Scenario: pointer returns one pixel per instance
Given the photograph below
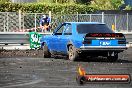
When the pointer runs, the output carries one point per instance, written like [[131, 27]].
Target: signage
[[34, 40]]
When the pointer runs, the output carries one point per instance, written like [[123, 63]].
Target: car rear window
[[93, 28]]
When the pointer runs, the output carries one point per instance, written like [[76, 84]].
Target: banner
[[34, 40]]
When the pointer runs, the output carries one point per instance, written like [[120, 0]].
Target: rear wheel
[[113, 58], [46, 52], [72, 53]]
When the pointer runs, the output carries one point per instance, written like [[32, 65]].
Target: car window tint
[[93, 28], [68, 30], [59, 32]]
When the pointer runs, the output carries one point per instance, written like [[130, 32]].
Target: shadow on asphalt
[[103, 60], [94, 59]]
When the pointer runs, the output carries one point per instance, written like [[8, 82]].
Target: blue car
[[82, 39]]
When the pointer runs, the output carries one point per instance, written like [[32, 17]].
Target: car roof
[[85, 22]]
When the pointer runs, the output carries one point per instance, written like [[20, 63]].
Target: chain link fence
[[17, 22], [121, 22], [8, 21], [31, 20]]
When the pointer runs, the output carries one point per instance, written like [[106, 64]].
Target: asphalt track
[[32, 71]]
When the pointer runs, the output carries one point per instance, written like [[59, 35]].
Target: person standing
[[44, 23]]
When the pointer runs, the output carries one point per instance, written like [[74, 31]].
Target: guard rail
[[22, 38]]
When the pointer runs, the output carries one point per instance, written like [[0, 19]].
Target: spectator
[[44, 23]]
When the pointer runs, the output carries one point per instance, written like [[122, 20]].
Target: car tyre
[[46, 52], [72, 53], [112, 58]]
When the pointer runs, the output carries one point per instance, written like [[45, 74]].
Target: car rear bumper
[[103, 48]]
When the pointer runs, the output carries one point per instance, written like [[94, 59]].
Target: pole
[[115, 23], [50, 15], [77, 16], [102, 17], [35, 21], [90, 17], [19, 19], [50, 18]]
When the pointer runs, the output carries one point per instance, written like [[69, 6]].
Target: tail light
[[121, 42]]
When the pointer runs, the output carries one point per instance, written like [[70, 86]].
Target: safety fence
[[19, 22], [121, 22], [14, 26], [23, 22]]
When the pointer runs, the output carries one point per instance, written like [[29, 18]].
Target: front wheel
[[72, 53], [46, 52]]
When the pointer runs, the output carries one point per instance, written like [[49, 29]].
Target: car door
[[67, 33], [55, 43]]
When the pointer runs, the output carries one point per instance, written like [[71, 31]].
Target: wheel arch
[[44, 42], [68, 44]]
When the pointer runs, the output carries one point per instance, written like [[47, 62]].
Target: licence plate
[[105, 43]]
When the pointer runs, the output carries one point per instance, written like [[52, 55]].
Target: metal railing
[[18, 40], [14, 38], [22, 38]]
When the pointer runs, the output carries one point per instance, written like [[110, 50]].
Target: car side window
[[68, 30], [60, 31]]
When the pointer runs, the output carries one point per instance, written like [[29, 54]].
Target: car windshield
[[93, 28]]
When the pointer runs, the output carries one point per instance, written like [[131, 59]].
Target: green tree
[[82, 1], [61, 1], [55, 1], [128, 7], [47, 1], [107, 4], [117, 3], [4, 0], [66, 1]]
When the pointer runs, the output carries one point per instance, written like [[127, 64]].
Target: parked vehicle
[[82, 39]]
